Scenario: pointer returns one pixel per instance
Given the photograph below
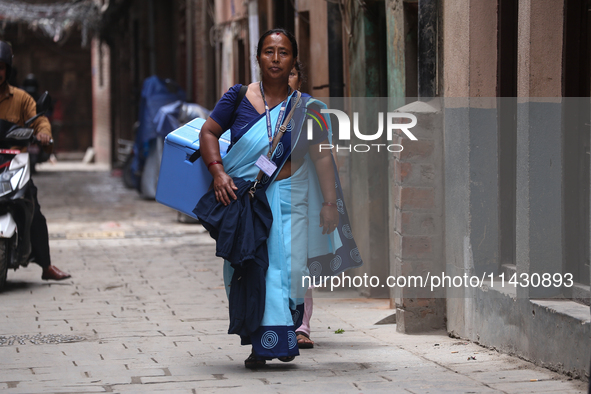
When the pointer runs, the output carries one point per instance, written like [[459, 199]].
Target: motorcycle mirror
[[44, 103]]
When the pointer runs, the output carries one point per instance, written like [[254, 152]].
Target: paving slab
[[146, 312]]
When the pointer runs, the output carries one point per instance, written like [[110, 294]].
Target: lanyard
[[270, 134]]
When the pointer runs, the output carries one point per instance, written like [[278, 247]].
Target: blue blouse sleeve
[[222, 113]]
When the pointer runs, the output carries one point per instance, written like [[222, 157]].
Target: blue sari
[[295, 245]]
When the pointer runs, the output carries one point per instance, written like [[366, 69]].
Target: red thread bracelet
[[214, 162], [330, 204]]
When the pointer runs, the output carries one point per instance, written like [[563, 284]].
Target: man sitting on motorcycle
[[17, 106]]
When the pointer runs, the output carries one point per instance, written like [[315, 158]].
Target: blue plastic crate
[[181, 184]]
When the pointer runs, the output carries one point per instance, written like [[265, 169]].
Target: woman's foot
[[286, 359], [254, 362], [304, 341]]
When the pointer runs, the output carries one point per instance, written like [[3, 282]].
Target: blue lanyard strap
[[270, 134]]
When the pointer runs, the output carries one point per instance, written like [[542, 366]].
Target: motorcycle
[[16, 200]]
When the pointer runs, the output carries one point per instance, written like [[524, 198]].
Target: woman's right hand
[[224, 187]]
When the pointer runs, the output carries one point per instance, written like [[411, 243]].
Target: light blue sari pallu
[[296, 245]]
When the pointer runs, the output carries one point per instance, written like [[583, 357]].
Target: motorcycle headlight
[[9, 180], [16, 178]]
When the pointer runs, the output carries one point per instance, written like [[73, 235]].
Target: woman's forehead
[[277, 40]]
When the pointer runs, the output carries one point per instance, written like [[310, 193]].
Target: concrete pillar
[[369, 218], [396, 99], [471, 151], [539, 246], [101, 101], [415, 192]]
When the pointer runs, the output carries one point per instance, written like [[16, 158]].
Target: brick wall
[[416, 212]]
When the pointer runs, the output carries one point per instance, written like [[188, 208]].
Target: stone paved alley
[[146, 312]]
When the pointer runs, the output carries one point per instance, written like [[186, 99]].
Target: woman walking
[[299, 183]]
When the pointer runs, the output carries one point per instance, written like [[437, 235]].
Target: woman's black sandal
[[286, 359], [254, 362]]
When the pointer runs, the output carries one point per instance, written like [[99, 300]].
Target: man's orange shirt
[[19, 106]]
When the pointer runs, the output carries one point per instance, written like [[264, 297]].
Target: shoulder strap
[[239, 97], [282, 129], [241, 93]]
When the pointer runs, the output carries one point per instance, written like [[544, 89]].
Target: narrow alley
[[145, 312]]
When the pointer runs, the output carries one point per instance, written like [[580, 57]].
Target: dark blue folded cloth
[[241, 230]]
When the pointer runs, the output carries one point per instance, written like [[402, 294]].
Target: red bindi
[[277, 34]]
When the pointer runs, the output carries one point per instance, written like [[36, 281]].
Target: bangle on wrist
[[214, 162], [329, 204]]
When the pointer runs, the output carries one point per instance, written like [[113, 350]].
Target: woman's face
[[276, 59], [294, 80]]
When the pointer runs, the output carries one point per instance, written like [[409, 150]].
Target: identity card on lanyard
[[264, 162]]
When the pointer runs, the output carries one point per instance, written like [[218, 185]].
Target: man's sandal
[[254, 362], [304, 341]]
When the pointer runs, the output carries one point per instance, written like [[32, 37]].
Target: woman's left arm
[[322, 159]]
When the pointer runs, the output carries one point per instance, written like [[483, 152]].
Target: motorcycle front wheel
[[3, 262]]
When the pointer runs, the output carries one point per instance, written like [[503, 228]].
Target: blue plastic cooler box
[[181, 184]]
